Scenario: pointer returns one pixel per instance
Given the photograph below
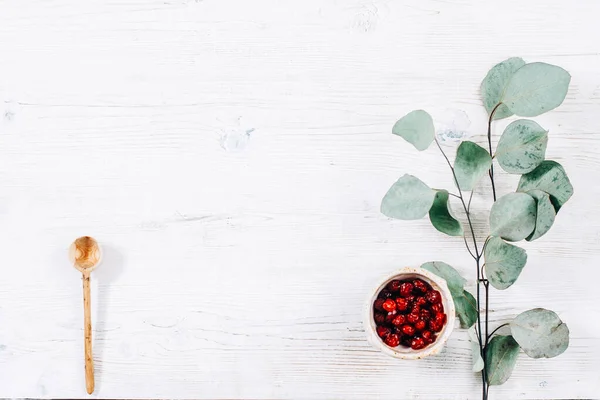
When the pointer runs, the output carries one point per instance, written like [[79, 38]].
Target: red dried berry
[[390, 317], [417, 343], [406, 289], [394, 286], [434, 326], [402, 304], [427, 336], [420, 286], [408, 330], [433, 296], [412, 318], [378, 304], [420, 301], [392, 340], [420, 325], [399, 320], [415, 309], [440, 318], [383, 331], [385, 294], [379, 318], [425, 315], [437, 308], [389, 305]]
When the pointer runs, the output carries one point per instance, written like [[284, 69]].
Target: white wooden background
[[231, 157]]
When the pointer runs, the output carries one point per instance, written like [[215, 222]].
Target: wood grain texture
[[231, 156]]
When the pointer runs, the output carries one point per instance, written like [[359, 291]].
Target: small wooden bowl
[[402, 352]]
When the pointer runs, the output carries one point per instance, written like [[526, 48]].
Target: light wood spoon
[[85, 254]]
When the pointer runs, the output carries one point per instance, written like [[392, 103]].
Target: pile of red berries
[[409, 313]]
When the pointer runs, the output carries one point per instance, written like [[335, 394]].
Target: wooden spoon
[[85, 254]]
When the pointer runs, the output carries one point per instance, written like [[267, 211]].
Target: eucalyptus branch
[[524, 90]]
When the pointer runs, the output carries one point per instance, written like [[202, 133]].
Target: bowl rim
[[403, 352]]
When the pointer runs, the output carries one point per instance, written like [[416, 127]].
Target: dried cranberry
[[392, 340], [408, 330], [427, 336], [389, 305], [420, 286], [437, 308], [399, 319], [383, 331], [385, 294], [413, 318], [425, 315], [420, 325], [417, 343], [406, 289], [379, 318], [402, 304], [420, 301], [378, 304], [415, 309], [390, 317], [440, 318], [434, 326], [433, 296], [394, 286]]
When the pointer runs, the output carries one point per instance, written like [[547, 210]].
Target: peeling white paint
[[452, 126]]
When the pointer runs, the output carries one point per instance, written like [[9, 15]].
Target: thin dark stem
[[470, 198], [469, 249], [497, 329], [477, 258], [489, 135], [460, 196], [455, 195]]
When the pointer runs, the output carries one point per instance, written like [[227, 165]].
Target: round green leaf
[[545, 214], [472, 162], [408, 198], [440, 216], [475, 351], [551, 178], [513, 216], [416, 128], [540, 333], [503, 262], [522, 146], [494, 83], [453, 279], [536, 88], [466, 309], [500, 358]]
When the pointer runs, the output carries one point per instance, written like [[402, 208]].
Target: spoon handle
[[89, 361]]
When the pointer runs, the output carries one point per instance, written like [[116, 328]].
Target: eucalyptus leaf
[[466, 309], [522, 146], [409, 198], [440, 216], [535, 89], [494, 83], [475, 351], [512, 216], [453, 279], [503, 262], [551, 178], [540, 333], [500, 358], [416, 128], [545, 214], [471, 164]]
